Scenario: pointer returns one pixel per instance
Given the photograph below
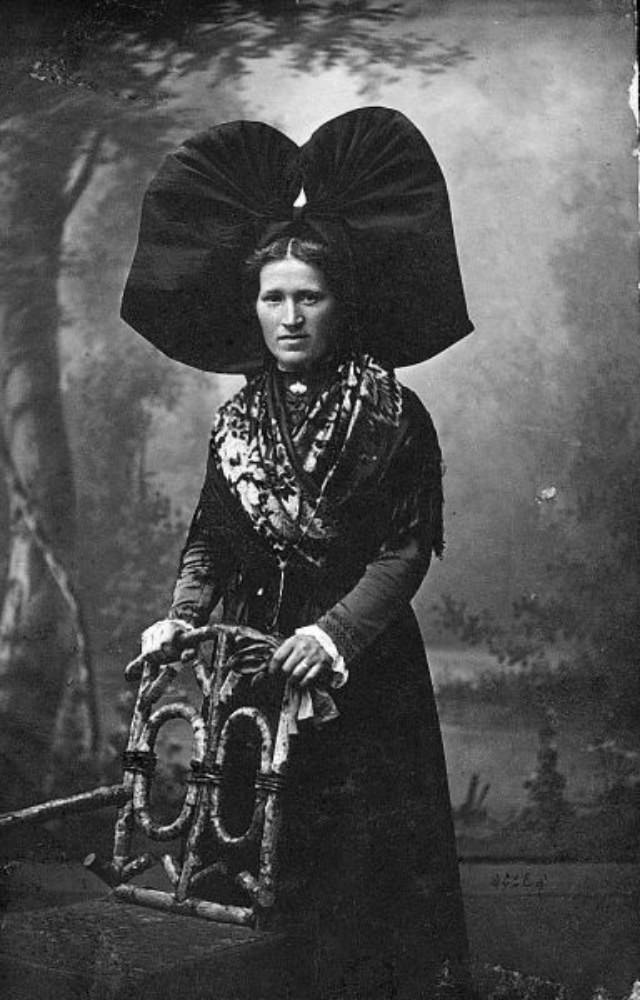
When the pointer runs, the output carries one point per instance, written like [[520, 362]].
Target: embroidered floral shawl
[[291, 481]]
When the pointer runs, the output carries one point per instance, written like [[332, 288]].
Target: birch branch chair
[[207, 848]]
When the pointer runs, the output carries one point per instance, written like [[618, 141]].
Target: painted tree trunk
[[36, 640]]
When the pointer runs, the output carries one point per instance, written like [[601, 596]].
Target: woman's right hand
[[158, 641]]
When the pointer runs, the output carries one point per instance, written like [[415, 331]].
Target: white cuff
[[339, 673]]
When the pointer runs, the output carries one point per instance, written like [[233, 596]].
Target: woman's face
[[298, 314]]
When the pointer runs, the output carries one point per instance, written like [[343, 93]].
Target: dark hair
[[306, 248]]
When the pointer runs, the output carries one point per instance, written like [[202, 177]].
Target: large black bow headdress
[[372, 184]]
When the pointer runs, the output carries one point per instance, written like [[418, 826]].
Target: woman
[[319, 513]]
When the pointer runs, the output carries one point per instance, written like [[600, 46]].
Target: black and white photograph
[[320, 529]]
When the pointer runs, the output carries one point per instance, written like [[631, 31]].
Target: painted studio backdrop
[[532, 619]]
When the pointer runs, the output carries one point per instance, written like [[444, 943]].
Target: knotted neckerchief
[[282, 477]]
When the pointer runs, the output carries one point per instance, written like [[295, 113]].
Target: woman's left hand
[[302, 660]]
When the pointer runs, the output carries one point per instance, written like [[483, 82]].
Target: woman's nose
[[291, 317]]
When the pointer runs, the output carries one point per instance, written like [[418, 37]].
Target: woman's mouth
[[292, 338]]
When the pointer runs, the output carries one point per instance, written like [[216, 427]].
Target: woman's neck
[[319, 374]]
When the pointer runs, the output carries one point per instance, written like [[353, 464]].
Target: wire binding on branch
[[204, 773], [139, 761], [270, 782]]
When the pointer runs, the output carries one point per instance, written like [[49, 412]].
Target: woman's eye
[[310, 298], [271, 297]]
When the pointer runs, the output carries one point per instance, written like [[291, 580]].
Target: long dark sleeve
[[392, 578], [206, 564]]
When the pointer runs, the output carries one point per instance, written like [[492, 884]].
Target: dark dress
[[369, 872]]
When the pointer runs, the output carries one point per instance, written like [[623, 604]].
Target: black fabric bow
[[373, 188]]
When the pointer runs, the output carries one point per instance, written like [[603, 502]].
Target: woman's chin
[[294, 368], [295, 361]]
